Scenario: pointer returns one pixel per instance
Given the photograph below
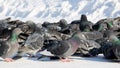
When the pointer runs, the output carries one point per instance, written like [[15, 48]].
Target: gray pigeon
[[12, 44], [68, 47]]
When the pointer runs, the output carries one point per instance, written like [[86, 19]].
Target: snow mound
[[54, 10]]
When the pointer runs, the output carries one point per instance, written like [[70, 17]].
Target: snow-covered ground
[[78, 62], [54, 10]]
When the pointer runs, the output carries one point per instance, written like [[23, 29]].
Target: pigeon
[[84, 24], [12, 45], [66, 48], [111, 48]]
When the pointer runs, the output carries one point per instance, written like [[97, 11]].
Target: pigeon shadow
[[44, 58], [99, 58]]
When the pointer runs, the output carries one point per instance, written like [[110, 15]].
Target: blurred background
[[54, 10]]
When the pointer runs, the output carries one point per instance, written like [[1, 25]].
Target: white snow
[[54, 10], [78, 62]]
